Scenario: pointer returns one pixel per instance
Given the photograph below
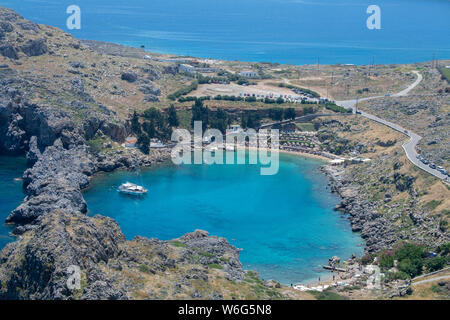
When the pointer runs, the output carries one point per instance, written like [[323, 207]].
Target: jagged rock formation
[[194, 266], [36, 266], [35, 48], [55, 182], [8, 51], [129, 76]]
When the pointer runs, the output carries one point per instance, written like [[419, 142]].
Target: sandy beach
[[299, 154]]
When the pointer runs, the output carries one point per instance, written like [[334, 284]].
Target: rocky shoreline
[[360, 212], [380, 231]]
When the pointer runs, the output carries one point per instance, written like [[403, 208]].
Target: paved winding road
[[410, 146], [430, 280], [308, 117]]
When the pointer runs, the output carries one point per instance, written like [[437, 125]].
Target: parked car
[[432, 166], [442, 170]]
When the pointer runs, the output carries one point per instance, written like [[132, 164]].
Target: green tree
[[276, 114], [220, 120], [135, 124], [444, 249], [409, 251], [244, 121], [153, 114], [200, 113], [412, 267], [252, 121], [149, 128], [317, 125], [436, 264], [173, 117], [165, 133], [410, 257], [386, 259], [144, 143], [290, 113]]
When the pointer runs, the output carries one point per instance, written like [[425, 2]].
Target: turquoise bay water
[[11, 193], [284, 223], [285, 31]]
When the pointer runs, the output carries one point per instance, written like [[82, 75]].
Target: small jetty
[[330, 268]]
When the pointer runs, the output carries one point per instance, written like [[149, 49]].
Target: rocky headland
[[37, 266]]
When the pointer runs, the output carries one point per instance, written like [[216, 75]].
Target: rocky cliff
[[37, 266]]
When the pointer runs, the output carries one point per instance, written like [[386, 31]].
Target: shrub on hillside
[[444, 249], [386, 259], [436, 264], [410, 258]]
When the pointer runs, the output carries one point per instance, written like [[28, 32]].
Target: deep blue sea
[[11, 193], [285, 31], [284, 223]]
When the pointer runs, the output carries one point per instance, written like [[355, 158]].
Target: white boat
[[132, 189]]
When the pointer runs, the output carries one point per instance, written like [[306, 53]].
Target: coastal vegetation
[[249, 99], [98, 144], [144, 143], [445, 73], [217, 120], [408, 260], [338, 109], [183, 91]]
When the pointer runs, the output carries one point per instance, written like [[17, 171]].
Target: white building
[[337, 162], [249, 74], [187, 68]]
